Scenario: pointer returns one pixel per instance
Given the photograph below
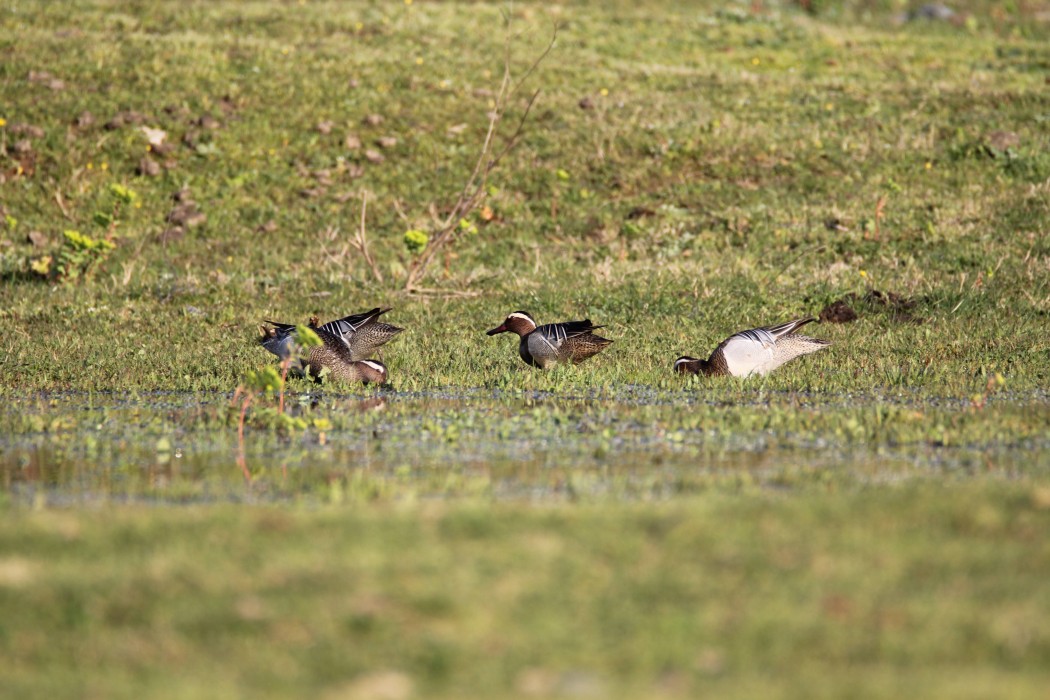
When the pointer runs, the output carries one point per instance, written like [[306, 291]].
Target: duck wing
[[557, 333], [348, 325], [783, 329]]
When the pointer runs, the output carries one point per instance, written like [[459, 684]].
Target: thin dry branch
[[474, 189], [451, 293], [360, 241]]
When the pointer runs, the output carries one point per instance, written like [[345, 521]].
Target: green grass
[[740, 135], [908, 593], [867, 522]]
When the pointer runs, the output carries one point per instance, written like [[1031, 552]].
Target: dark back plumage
[[362, 334], [571, 341], [349, 324], [569, 329]]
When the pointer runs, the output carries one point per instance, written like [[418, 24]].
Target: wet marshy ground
[[171, 448]]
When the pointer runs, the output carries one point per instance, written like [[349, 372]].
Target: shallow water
[[171, 448]]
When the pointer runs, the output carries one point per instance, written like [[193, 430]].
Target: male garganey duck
[[543, 346], [346, 345], [755, 351]]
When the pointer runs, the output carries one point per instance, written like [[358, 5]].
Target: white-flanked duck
[[754, 351], [543, 346]]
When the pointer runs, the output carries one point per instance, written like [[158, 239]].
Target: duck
[[754, 351], [548, 345], [362, 333], [346, 347], [322, 365]]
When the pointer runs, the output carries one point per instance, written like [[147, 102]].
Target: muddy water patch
[[179, 448]]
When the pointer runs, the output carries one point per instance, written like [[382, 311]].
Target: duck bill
[[501, 328]]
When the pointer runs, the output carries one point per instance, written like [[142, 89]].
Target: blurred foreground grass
[[918, 591]]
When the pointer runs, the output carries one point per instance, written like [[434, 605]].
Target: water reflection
[[385, 446]]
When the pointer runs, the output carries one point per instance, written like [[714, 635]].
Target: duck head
[[278, 339], [690, 365], [372, 371], [518, 322]]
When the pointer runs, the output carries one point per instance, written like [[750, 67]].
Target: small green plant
[[467, 226], [81, 254], [416, 241], [77, 258], [120, 197], [264, 384]]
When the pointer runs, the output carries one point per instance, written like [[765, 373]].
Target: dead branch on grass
[[360, 241], [475, 187]]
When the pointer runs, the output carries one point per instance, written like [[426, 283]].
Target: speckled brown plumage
[[328, 362], [347, 344], [362, 333]]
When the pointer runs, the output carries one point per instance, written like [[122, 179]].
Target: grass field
[[868, 522], [908, 594]]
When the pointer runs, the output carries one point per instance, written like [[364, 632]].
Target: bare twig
[[474, 189], [360, 241], [452, 293], [62, 205], [327, 236], [245, 397], [879, 206]]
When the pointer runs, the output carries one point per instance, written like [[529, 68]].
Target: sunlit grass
[[867, 522]]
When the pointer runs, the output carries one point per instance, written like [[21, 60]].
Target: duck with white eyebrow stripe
[[754, 351], [545, 346]]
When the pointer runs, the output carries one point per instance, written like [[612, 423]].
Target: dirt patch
[[838, 312], [852, 306]]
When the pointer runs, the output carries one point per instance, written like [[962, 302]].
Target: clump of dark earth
[[1000, 144], [838, 312], [84, 120], [184, 215], [125, 118], [148, 167], [207, 121], [896, 306], [639, 212]]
